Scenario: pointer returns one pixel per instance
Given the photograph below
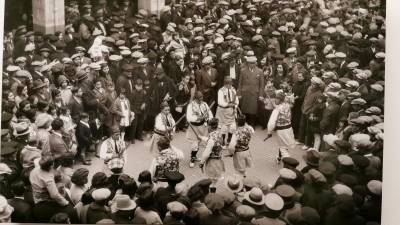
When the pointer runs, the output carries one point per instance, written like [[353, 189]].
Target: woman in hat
[[211, 162], [64, 88]]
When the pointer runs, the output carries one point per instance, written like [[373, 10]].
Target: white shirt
[[105, 155], [232, 72], [161, 122], [226, 96], [194, 111], [126, 112]]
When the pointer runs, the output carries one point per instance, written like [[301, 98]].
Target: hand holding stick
[[268, 137]]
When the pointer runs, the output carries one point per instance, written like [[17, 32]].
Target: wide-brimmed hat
[[274, 202], [21, 129], [255, 196], [123, 202], [234, 183]]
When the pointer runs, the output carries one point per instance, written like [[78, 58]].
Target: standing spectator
[[250, 90], [138, 106], [312, 94], [84, 138]]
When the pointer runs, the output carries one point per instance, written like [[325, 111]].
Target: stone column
[[48, 16], [153, 6]]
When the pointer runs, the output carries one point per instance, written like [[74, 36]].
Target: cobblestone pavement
[[263, 153]]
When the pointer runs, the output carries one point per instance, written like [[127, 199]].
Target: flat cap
[[345, 160]]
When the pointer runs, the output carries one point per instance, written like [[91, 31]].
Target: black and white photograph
[[194, 112]]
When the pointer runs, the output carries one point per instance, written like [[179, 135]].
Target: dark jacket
[[137, 99], [329, 121], [164, 196], [22, 211], [76, 108], [336, 217], [96, 213], [217, 219], [83, 135], [317, 198]]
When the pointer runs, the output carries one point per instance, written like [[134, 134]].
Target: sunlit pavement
[[263, 153]]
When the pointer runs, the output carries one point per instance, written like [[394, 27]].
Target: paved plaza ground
[[263, 153]]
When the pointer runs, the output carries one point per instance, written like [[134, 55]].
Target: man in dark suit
[[125, 80], [138, 106], [84, 138], [22, 209], [206, 80], [163, 89], [175, 68], [329, 121], [75, 105]]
